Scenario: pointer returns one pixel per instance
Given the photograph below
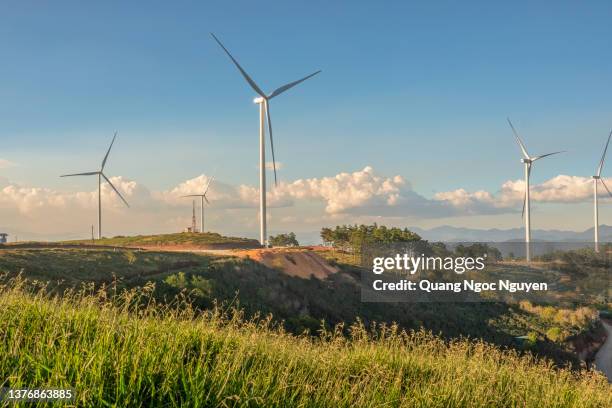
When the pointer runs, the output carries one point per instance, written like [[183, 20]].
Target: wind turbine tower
[[263, 100], [527, 161], [193, 217], [101, 175], [596, 179]]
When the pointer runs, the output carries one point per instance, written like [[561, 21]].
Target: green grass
[[300, 304], [129, 351], [192, 239], [70, 267]]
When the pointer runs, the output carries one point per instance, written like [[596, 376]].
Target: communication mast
[[193, 218]]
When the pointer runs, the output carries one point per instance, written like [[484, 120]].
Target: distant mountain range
[[455, 234], [444, 233], [448, 233]]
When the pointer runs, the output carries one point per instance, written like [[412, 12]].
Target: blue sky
[[417, 89]]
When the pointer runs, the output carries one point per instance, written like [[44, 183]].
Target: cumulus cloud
[[360, 192], [345, 196], [340, 193], [28, 199], [5, 164], [476, 203], [346, 191], [559, 189], [221, 194], [270, 165]]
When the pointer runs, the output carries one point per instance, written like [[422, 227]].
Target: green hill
[[207, 239], [300, 304]]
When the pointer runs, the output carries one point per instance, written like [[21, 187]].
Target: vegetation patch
[[127, 350], [207, 239]]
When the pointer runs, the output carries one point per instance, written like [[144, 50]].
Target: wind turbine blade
[[91, 173], [290, 85], [518, 139], [116, 191], [191, 195], [267, 105], [107, 152], [546, 155], [206, 199], [603, 156], [208, 184], [606, 187], [242, 71]]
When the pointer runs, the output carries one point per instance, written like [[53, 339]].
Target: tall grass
[[125, 350]]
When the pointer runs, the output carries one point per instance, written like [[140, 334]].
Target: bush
[[353, 237], [284, 240], [555, 334]]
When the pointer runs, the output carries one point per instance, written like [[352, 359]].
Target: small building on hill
[[3, 237]]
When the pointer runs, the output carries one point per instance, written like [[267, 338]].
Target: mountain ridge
[[454, 234]]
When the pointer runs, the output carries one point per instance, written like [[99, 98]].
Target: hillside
[[171, 357], [184, 240], [297, 262], [280, 284]]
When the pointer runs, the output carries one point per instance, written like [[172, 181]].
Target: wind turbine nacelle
[[596, 177], [259, 99], [525, 161]]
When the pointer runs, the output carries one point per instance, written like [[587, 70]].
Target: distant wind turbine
[[527, 160], [202, 199], [597, 178], [101, 175], [264, 111]]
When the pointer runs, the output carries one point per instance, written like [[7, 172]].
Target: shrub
[[284, 240]]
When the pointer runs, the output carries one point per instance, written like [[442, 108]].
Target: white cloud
[[347, 191], [345, 197], [220, 194], [270, 165], [479, 202], [559, 189], [5, 164], [27, 200]]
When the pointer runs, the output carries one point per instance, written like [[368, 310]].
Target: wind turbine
[[596, 179], [263, 100], [100, 174], [527, 160], [202, 199]]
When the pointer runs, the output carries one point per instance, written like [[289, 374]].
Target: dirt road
[[603, 358], [224, 252]]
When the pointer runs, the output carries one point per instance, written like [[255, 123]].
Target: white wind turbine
[[596, 179], [101, 175], [202, 199], [527, 160], [264, 111]]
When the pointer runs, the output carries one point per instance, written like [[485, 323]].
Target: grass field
[[300, 304], [129, 351], [184, 238]]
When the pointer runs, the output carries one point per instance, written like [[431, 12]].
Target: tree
[[284, 240], [352, 237], [477, 250]]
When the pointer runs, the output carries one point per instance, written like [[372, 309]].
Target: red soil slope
[[298, 262]]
